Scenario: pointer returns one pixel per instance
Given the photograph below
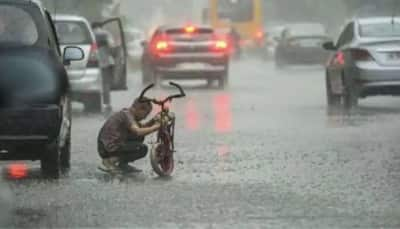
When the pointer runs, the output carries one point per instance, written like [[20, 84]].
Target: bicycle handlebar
[[162, 102]]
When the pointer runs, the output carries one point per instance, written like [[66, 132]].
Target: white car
[[85, 75]]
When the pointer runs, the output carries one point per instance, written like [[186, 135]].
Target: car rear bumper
[[372, 72], [169, 60], [191, 66], [377, 80], [196, 72], [27, 130], [90, 82]]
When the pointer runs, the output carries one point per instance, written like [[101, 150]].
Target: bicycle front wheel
[[162, 157]]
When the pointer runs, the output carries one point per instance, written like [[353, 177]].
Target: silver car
[[85, 75], [365, 62]]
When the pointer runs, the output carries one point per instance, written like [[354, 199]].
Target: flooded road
[[261, 154]]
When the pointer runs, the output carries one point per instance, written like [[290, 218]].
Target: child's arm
[[150, 123], [143, 131], [154, 120]]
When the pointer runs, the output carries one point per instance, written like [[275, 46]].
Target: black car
[[187, 52], [301, 44], [35, 107]]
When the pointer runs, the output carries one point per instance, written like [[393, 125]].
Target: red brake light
[[17, 171], [360, 55], [190, 29], [339, 58], [259, 34], [162, 45], [93, 61], [221, 45], [94, 47]]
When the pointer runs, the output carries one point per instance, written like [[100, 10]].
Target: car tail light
[[361, 55], [339, 58], [93, 61], [221, 45], [259, 35], [17, 171], [190, 29], [160, 45]]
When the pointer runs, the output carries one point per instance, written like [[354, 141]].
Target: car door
[[118, 50], [336, 63]]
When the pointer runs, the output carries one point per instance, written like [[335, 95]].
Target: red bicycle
[[162, 151]]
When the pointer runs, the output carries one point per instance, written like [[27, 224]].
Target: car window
[[381, 29], [182, 35], [346, 36], [306, 29], [72, 32], [17, 26]]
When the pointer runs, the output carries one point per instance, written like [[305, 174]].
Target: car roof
[[372, 20], [36, 2], [65, 17]]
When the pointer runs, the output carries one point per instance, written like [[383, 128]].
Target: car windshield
[[198, 35], [17, 26], [380, 29], [306, 29], [71, 32]]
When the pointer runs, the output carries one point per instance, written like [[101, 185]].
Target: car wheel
[[223, 81], [50, 161], [93, 103], [334, 101], [351, 99], [210, 83], [65, 154]]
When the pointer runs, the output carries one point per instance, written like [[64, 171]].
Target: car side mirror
[[329, 46], [72, 53]]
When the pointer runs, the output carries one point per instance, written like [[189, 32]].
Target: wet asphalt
[[262, 153]]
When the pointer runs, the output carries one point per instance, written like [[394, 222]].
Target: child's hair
[[139, 104]]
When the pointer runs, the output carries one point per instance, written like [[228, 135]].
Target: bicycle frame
[[168, 128]]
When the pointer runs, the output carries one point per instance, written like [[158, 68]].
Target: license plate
[[190, 66]]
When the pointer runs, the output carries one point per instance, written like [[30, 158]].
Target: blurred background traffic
[[141, 18]]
